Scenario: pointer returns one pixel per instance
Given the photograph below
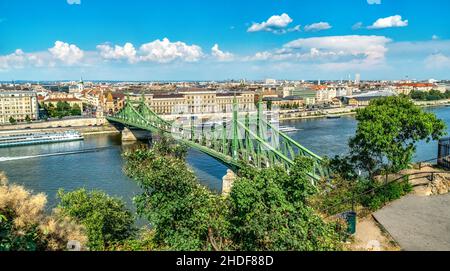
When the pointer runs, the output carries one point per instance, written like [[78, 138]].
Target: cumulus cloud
[[19, 59], [373, 2], [164, 51], [127, 52], [318, 26], [67, 53], [392, 21], [437, 61], [340, 52], [275, 23], [221, 55], [74, 2]]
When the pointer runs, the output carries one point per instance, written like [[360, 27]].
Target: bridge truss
[[245, 138]]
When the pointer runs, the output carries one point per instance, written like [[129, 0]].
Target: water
[[42, 168]]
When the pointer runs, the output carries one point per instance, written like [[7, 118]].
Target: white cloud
[[437, 61], [19, 59], [318, 26], [127, 52], [67, 53], [339, 52], [392, 21], [14, 60], [164, 51], [374, 2], [357, 26], [74, 2], [220, 55], [275, 23], [296, 28]]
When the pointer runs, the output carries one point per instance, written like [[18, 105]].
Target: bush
[[105, 218], [24, 226], [384, 194]]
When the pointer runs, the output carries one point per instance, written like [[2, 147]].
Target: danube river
[[96, 162]]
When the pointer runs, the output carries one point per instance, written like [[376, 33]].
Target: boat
[[39, 138], [287, 129], [333, 117]]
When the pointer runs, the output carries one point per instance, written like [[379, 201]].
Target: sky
[[221, 40]]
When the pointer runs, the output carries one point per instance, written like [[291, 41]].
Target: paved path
[[418, 223]]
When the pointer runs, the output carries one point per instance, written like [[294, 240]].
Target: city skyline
[[379, 39]]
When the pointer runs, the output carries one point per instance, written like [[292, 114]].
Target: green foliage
[[142, 242], [105, 218], [431, 95], [184, 214], [75, 110], [266, 210], [62, 109], [388, 130], [27, 240], [12, 120], [269, 211], [383, 194], [28, 119]]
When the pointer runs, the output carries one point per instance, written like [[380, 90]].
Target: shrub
[[382, 194], [105, 218], [25, 226]]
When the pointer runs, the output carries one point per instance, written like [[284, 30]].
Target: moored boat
[[39, 138]]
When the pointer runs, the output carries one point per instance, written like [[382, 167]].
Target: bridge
[[246, 138]]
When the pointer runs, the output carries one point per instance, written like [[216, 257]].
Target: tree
[[12, 120], [266, 210], [184, 214], [75, 110], [105, 218], [269, 211], [387, 133], [28, 119]]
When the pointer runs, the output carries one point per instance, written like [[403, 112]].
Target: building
[[289, 102], [357, 79], [196, 101], [407, 88], [18, 105], [364, 99], [55, 97]]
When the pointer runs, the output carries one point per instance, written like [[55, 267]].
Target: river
[[41, 168]]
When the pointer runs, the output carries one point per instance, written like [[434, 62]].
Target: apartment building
[[196, 101], [18, 105]]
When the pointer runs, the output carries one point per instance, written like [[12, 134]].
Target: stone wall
[[75, 122]]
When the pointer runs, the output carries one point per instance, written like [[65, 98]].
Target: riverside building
[[18, 105]]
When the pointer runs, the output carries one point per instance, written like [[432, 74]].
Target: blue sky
[[215, 40]]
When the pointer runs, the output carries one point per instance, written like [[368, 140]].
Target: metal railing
[[430, 176]]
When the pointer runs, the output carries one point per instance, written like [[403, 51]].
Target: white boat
[[287, 129], [39, 138]]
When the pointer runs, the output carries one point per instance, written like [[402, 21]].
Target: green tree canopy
[[106, 219], [184, 214], [269, 211], [387, 133], [266, 210]]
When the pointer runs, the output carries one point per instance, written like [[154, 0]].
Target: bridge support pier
[[227, 182], [127, 135]]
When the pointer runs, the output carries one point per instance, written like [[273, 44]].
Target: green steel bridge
[[246, 138]]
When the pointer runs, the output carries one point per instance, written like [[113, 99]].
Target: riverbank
[[349, 111]]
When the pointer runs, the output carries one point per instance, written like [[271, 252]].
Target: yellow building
[[196, 101], [18, 105]]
